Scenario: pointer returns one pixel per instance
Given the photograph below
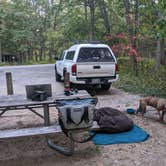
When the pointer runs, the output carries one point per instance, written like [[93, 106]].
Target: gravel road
[[33, 151]]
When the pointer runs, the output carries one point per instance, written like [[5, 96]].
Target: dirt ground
[[33, 151]]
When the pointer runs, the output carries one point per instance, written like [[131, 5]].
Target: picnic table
[[20, 102]]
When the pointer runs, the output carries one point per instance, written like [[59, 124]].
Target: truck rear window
[[95, 55]]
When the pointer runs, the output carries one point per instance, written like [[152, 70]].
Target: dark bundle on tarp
[[112, 120]]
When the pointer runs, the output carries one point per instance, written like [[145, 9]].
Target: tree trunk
[[21, 57], [104, 15], [45, 52], [92, 12], [163, 53], [158, 54], [51, 53], [36, 56], [41, 54], [29, 54], [128, 21], [135, 23], [159, 46], [135, 65], [130, 28], [86, 17], [56, 14]]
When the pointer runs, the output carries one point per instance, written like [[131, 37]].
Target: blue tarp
[[135, 135]]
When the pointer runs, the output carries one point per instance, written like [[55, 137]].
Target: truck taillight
[[74, 69], [116, 68]]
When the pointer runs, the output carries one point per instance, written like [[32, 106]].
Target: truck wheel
[[105, 86], [72, 85], [58, 77], [91, 90]]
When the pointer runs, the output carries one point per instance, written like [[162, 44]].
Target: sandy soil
[[33, 151]]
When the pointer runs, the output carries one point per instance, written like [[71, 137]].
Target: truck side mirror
[[56, 58]]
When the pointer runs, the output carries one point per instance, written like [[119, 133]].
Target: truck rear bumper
[[93, 80]]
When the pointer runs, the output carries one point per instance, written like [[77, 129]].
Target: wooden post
[[9, 83]]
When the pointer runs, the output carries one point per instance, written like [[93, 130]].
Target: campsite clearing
[[34, 150]]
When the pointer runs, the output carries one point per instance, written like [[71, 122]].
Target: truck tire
[[58, 77], [105, 86]]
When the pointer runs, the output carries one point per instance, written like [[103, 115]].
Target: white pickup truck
[[89, 64]]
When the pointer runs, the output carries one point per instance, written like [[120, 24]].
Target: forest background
[[37, 31]]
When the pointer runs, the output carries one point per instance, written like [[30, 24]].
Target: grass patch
[[148, 81]]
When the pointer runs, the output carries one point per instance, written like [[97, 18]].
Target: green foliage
[[31, 62], [148, 82], [153, 18], [54, 25]]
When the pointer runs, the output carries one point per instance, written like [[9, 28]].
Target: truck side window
[[70, 55], [62, 56]]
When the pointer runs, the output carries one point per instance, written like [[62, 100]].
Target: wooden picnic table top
[[13, 102], [21, 100]]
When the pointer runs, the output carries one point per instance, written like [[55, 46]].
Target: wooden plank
[[15, 133], [20, 100]]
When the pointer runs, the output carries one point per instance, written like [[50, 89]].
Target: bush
[[148, 81]]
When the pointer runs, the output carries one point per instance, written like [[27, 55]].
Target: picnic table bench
[[20, 102]]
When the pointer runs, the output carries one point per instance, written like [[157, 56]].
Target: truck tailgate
[[93, 69]]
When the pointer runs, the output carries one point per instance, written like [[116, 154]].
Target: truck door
[[60, 63]]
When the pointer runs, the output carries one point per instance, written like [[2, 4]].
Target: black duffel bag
[[111, 120]]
